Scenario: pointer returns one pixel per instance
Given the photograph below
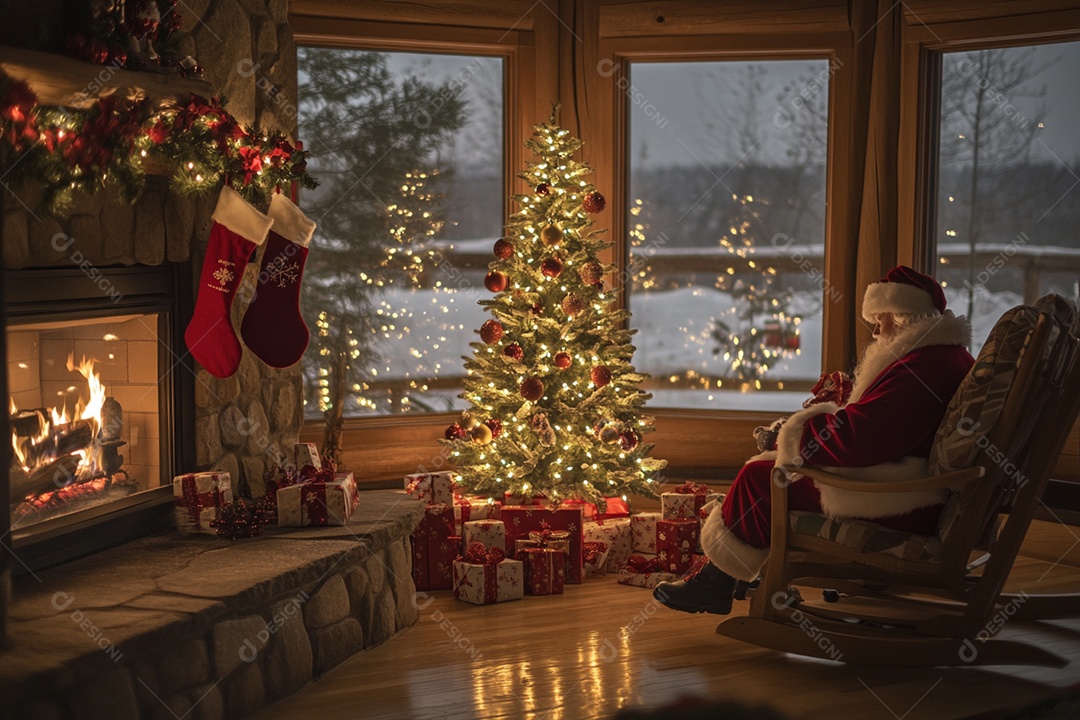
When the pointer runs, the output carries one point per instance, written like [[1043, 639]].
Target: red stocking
[[238, 228], [273, 328]]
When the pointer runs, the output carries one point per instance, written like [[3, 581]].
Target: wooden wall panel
[[928, 12], [625, 18], [505, 14]]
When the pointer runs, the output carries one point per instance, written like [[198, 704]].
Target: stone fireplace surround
[[168, 624]]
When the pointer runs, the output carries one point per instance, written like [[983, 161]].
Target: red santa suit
[[884, 432]]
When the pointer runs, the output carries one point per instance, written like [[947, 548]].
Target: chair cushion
[[865, 536]]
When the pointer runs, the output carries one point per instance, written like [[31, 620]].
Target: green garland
[[198, 142]]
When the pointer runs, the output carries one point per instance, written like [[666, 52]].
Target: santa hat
[[903, 292]]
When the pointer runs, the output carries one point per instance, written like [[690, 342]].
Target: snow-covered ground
[[427, 333]]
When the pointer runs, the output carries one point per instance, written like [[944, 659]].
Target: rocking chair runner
[[921, 600]]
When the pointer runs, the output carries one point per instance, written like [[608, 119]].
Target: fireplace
[[100, 403]]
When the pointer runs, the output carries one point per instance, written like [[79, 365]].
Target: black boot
[[709, 590]]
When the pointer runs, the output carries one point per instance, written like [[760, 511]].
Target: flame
[[90, 412]]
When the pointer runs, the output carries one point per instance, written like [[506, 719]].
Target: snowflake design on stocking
[[282, 273], [223, 275]]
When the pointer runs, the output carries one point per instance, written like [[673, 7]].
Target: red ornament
[[537, 309], [532, 389], [792, 342], [491, 331], [496, 281], [628, 439], [496, 427], [563, 360], [601, 376], [551, 267], [593, 202], [455, 432], [513, 350], [572, 304], [543, 189], [503, 249], [591, 272]]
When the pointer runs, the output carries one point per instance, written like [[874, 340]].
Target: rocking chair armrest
[[933, 482]]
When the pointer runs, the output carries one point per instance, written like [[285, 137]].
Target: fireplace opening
[[84, 411], [101, 406]]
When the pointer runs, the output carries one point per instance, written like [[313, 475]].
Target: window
[[1008, 201], [409, 151], [726, 224]]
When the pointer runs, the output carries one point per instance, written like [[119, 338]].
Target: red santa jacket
[[885, 431]]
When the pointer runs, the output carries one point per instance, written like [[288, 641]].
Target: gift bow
[[543, 537], [309, 473], [692, 488], [642, 564], [477, 554], [832, 387], [593, 550]]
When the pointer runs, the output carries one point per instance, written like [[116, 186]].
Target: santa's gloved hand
[[834, 387], [766, 435]]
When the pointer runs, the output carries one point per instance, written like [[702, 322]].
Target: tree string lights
[[555, 406]]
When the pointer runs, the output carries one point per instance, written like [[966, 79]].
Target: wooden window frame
[[713, 444], [920, 87], [385, 446]]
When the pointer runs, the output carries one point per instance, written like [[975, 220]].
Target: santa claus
[[883, 431]]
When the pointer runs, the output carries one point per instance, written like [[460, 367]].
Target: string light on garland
[[68, 150]]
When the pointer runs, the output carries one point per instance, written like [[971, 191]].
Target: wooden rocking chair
[[936, 600]]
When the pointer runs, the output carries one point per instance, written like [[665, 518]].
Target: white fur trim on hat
[[289, 221], [728, 552], [234, 212], [896, 297]]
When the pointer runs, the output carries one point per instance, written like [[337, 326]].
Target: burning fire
[[58, 417]]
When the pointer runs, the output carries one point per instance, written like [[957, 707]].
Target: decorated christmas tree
[[555, 403]]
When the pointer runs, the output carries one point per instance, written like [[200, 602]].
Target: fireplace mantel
[[60, 80]]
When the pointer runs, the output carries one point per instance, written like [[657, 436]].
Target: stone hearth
[[205, 628]]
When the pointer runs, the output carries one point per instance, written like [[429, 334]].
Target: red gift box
[[433, 562], [437, 523], [545, 570], [676, 541], [615, 507], [643, 570], [520, 521]]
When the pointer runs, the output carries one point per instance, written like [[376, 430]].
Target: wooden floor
[[603, 646]]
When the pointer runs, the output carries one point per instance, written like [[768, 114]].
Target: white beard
[[945, 329]]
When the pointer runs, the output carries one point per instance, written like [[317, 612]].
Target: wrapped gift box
[[680, 505], [436, 524], [317, 503], [520, 521], [558, 540], [643, 531], [467, 509], [676, 542], [527, 500], [545, 570], [643, 570], [490, 533], [198, 499], [306, 454], [437, 487], [615, 507], [433, 561], [595, 554], [483, 584], [616, 534]]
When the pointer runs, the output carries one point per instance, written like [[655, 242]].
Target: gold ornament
[[551, 235], [481, 434]]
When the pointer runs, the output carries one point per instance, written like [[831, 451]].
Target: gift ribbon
[[489, 558], [312, 474], [194, 500], [593, 550], [642, 564], [692, 488], [542, 538], [466, 508]]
